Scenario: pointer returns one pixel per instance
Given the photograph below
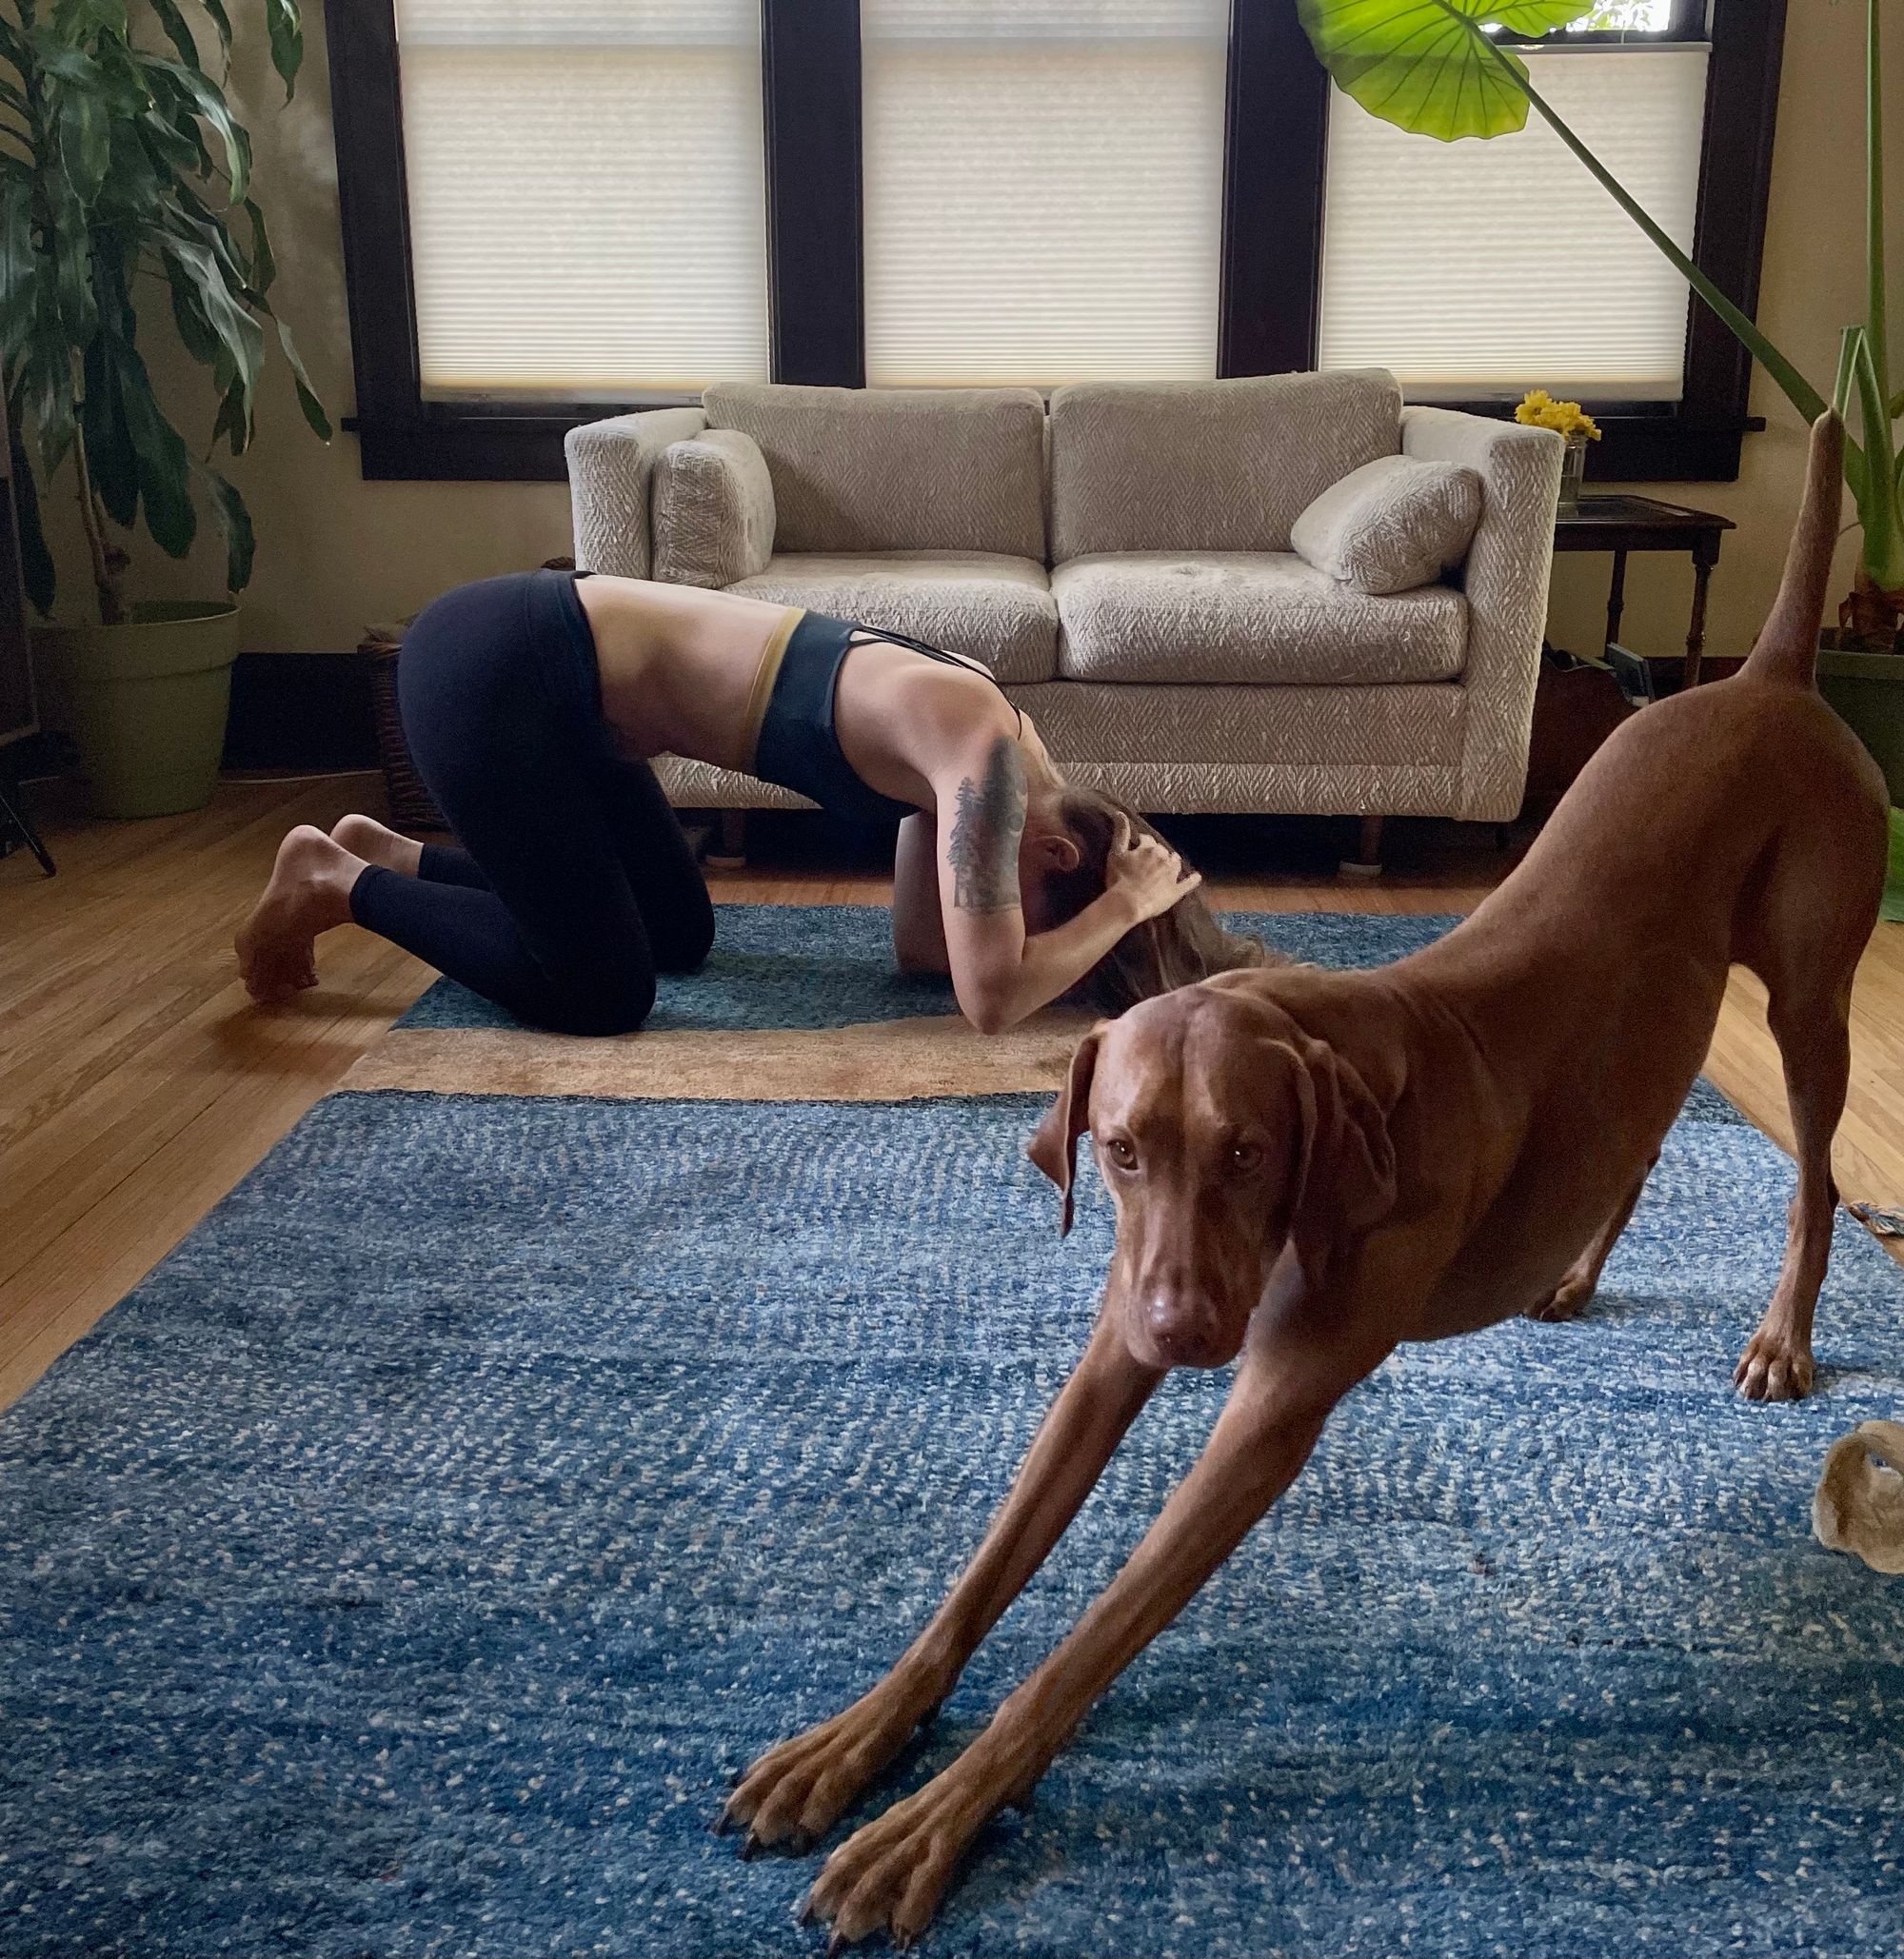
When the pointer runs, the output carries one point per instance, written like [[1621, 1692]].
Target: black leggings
[[573, 885]]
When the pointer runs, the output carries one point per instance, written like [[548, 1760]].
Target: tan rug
[[874, 1061]]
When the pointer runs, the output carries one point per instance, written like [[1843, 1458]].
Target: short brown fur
[[1310, 1168]]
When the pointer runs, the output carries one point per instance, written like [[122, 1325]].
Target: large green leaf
[[71, 255], [36, 561], [233, 420], [263, 266], [308, 401], [194, 329], [222, 21], [109, 456], [20, 270], [178, 31], [192, 219], [46, 384], [1426, 66], [165, 464], [286, 26], [231, 323], [85, 142], [234, 523], [77, 20], [59, 63], [208, 101]]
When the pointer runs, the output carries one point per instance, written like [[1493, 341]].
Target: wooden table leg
[[1616, 598], [1705, 555]]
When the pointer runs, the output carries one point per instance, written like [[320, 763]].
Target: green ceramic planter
[[1867, 691], [146, 702]]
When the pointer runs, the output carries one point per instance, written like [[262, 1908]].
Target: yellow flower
[[1538, 409]]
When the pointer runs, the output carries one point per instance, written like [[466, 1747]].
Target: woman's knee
[[618, 1006], [683, 942]]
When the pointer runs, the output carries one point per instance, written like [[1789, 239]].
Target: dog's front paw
[[796, 1792], [890, 1876], [1774, 1367]]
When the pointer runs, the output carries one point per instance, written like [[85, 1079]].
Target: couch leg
[[1367, 860], [729, 851]]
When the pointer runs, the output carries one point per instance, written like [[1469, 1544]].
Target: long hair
[[1175, 949]]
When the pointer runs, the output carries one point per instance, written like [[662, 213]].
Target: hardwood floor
[[138, 1084]]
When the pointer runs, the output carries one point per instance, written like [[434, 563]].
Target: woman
[[531, 704]]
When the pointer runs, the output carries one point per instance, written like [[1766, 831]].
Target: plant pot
[[146, 702], [1867, 691]]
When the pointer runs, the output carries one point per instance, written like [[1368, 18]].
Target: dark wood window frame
[[1272, 209]]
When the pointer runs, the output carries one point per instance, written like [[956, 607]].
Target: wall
[[1812, 285], [335, 552]]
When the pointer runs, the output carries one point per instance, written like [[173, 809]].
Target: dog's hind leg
[[1583, 1275], [1813, 1039]]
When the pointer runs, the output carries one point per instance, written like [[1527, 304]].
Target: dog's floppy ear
[[1347, 1181], [1054, 1143]]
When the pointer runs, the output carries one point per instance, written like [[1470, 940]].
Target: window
[[556, 207], [1485, 268], [588, 197], [1043, 185]]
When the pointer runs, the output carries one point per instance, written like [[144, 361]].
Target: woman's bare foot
[[308, 893], [376, 843]]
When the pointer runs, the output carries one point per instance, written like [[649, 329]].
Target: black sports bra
[[790, 738]]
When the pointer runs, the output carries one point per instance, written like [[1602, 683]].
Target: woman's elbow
[[989, 1012]]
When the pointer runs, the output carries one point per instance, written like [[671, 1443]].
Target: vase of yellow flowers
[[1538, 409]]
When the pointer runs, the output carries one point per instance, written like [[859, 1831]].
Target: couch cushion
[[1392, 524], [897, 469], [1256, 616], [992, 607], [713, 510], [1213, 465]]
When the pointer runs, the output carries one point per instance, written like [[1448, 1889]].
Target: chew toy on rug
[[1859, 1506]]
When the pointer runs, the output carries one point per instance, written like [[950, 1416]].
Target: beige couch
[[1122, 561]]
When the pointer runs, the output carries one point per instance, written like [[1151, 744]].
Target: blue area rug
[[831, 965], [403, 1568]]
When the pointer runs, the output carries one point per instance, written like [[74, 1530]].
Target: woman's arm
[[918, 926], [1000, 973]]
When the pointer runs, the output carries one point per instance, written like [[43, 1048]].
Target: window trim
[[1274, 146]]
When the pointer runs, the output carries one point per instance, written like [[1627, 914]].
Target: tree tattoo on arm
[[982, 849]]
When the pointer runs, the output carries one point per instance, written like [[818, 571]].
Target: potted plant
[[1437, 68], [124, 173]]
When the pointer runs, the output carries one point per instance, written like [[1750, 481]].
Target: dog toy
[[1859, 1506]]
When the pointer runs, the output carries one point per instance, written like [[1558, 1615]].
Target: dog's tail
[[1787, 648]]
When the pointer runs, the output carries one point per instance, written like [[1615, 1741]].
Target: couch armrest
[[1505, 578], [609, 468], [712, 510]]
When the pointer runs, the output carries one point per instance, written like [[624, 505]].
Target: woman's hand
[[1145, 874]]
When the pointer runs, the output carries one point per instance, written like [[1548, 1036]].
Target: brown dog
[[1310, 1168]]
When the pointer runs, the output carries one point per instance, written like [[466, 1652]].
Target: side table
[[1622, 523]]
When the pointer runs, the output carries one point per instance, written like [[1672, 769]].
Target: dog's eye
[[1245, 1157], [1123, 1152]]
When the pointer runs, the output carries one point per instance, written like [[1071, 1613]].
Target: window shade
[[1481, 268], [587, 194], [1042, 188]]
